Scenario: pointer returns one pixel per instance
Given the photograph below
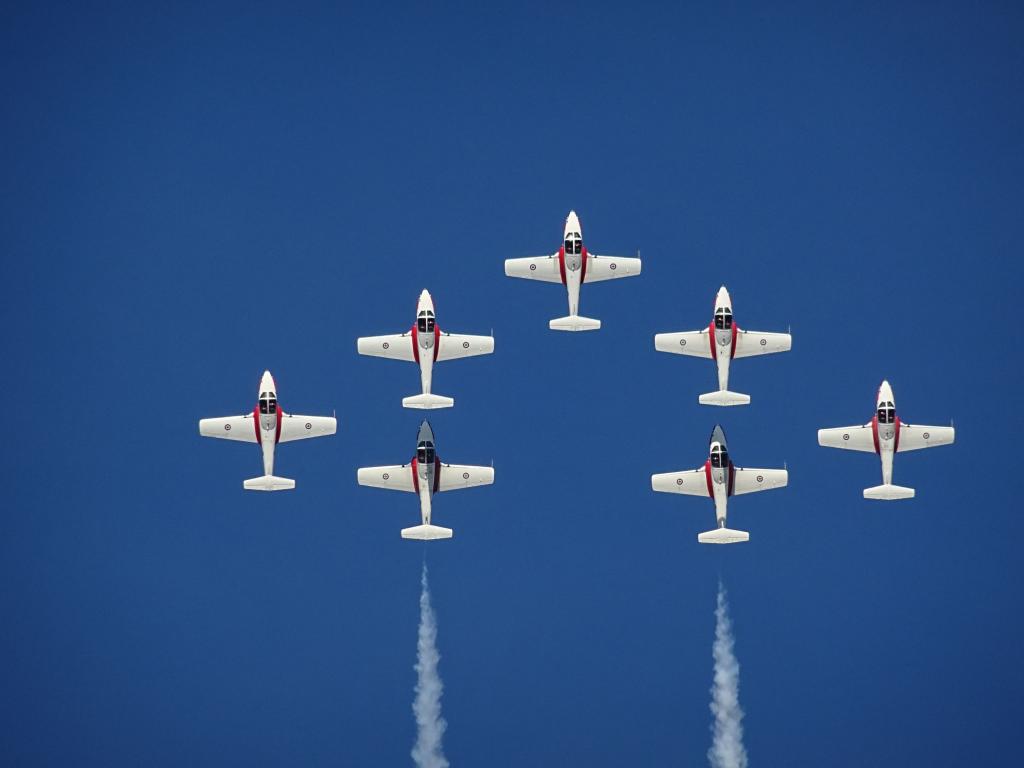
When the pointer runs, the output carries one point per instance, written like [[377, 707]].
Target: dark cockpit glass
[[268, 405], [426, 323], [719, 457], [425, 453], [886, 414], [573, 245], [723, 319]]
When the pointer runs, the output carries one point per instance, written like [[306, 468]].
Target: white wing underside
[[751, 480], [241, 428], [691, 482], [394, 347], [457, 476], [857, 438], [452, 346], [693, 343], [914, 437], [751, 343], [610, 267], [396, 477], [295, 427], [544, 268]]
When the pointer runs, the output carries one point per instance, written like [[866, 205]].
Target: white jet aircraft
[[885, 435], [722, 341], [425, 475], [268, 425], [572, 266], [425, 344], [719, 478]]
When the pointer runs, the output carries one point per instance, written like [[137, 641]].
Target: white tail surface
[[426, 532], [724, 397], [269, 483], [723, 536], [888, 492], [574, 323], [428, 401]]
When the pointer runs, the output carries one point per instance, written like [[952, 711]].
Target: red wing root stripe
[[256, 423], [437, 339], [437, 473], [707, 474], [874, 432], [415, 343], [561, 263], [711, 340], [732, 353], [732, 475], [899, 426], [415, 476]]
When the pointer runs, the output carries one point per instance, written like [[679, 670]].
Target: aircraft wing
[[858, 438], [609, 267], [241, 428], [395, 347], [295, 427], [693, 343], [393, 478], [692, 482], [451, 346], [914, 437], [456, 476], [748, 480], [750, 343], [535, 268]]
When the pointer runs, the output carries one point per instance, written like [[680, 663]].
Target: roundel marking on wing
[[760, 478], [465, 475], [465, 345], [612, 265], [308, 425], [386, 476], [227, 427], [682, 342], [764, 342], [386, 345], [846, 436], [679, 481], [533, 267], [926, 435]]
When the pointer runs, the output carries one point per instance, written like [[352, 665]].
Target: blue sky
[[191, 195]]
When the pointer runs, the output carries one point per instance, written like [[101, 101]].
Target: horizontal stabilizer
[[723, 536], [888, 492], [724, 397], [574, 323], [426, 532], [269, 483], [428, 401]]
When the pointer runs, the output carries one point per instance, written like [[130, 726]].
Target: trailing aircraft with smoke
[[719, 479]]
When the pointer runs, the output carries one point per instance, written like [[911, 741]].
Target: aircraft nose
[[723, 299], [572, 224], [425, 302], [267, 383]]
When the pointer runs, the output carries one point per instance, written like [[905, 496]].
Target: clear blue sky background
[[190, 196]]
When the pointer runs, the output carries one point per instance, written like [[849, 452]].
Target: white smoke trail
[[430, 726], [727, 744]]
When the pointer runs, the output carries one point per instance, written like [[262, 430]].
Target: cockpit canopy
[[268, 403], [573, 243], [886, 413], [719, 456], [723, 318], [425, 321], [425, 453]]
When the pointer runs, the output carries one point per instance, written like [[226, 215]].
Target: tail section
[[888, 492], [574, 323], [269, 483], [426, 532], [428, 401], [723, 535], [724, 397]]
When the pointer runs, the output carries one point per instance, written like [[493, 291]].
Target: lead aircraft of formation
[[719, 479], [572, 266], [886, 435], [425, 475], [722, 341], [268, 425], [425, 344]]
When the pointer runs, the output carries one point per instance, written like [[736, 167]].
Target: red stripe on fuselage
[[711, 340], [707, 474], [896, 444], [415, 343], [277, 437], [437, 339], [256, 422], [732, 478], [415, 476], [437, 473], [561, 263]]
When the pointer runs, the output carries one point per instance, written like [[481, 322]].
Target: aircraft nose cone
[[267, 383], [572, 223], [425, 433]]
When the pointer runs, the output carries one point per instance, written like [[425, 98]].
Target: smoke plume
[[430, 726], [727, 744]]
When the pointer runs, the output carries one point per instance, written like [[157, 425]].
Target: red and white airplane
[[268, 425], [886, 435], [719, 478], [425, 344], [722, 341], [425, 475], [572, 266]]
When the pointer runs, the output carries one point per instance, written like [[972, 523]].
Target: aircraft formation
[[573, 265]]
